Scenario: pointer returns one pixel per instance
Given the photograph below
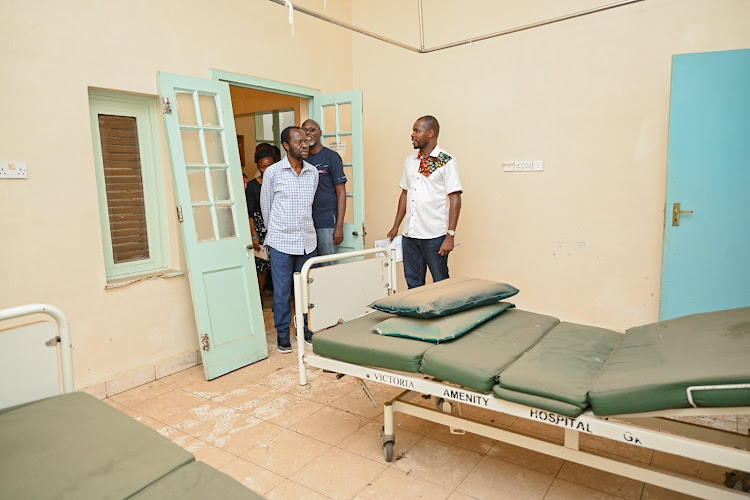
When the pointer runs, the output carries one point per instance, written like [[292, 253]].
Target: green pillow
[[438, 330], [444, 297]]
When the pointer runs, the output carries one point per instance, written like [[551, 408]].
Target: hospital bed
[[623, 388], [56, 443]]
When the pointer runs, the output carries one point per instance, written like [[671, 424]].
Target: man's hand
[[393, 233], [447, 245], [338, 235]]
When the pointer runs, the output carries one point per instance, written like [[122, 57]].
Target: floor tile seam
[[573, 480], [301, 485], [139, 402], [299, 433]]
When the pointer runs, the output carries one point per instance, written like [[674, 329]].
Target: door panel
[[209, 189], [706, 265], [340, 118]]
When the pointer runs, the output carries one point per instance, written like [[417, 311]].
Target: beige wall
[[589, 96], [52, 52]]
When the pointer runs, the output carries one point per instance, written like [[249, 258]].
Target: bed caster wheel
[[388, 451]]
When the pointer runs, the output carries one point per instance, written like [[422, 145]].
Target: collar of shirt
[[284, 163]]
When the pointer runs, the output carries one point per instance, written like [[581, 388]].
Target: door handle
[[355, 233], [676, 213]]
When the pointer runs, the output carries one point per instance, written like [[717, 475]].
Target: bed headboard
[[35, 359]]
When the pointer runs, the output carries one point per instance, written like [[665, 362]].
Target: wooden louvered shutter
[[124, 185]]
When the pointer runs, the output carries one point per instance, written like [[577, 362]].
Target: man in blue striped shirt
[[286, 202]]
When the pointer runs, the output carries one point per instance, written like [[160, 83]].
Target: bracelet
[[256, 237]]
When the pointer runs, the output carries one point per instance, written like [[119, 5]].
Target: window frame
[[275, 127], [145, 110]]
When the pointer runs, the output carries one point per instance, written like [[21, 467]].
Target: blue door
[[706, 263]]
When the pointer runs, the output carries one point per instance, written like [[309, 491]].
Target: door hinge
[[205, 343], [180, 218], [52, 342], [166, 106]]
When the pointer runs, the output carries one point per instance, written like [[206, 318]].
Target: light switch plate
[[509, 166], [13, 170], [538, 165]]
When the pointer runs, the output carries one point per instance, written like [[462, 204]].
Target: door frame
[[253, 82]]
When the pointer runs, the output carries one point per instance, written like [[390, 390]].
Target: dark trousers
[[283, 267], [421, 254]]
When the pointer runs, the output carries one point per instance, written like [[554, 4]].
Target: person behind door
[[431, 202], [263, 159], [329, 206], [286, 199]]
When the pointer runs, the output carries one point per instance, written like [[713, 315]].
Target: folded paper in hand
[[392, 245], [262, 253]]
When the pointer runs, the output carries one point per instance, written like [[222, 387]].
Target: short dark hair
[[287, 132], [263, 146], [263, 153], [276, 152], [431, 123]]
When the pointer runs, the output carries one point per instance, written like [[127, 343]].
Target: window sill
[[164, 273]]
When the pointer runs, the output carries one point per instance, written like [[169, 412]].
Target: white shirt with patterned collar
[[427, 204]]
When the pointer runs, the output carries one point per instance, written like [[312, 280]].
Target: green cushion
[[561, 367], [654, 364], [438, 330], [444, 297], [75, 446], [355, 342], [196, 481], [474, 360], [551, 405]]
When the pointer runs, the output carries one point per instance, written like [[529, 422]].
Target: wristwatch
[[451, 232]]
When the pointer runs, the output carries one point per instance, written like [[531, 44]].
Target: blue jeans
[[325, 243], [421, 254], [283, 267]]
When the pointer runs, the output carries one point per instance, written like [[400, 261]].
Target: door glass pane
[[349, 172], [286, 119], [226, 221], [204, 225], [214, 147], [349, 215], [264, 127], [345, 151], [191, 147], [209, 114], [186, 109], [329, 119], [220, 184], [345, 117], [197, 183]]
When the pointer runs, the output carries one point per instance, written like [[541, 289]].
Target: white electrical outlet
[[538, 165], [523, 166], [12, 170], [509, 166]]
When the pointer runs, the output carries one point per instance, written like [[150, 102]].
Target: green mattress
[[475, 359], [355, 342], [565, 368], [654, 364], [196, 481], [557, 373], [74, 446]]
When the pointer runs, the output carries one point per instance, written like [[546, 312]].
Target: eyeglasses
[[310, 130]]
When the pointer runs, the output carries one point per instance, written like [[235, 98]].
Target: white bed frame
[[346, 289], [35, 360]]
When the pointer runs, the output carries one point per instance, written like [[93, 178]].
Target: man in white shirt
[[431, 202]]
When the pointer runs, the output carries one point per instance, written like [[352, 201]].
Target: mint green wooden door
[[340, 118], [208, 184]]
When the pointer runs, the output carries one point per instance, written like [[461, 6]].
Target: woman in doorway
[[263, 159]]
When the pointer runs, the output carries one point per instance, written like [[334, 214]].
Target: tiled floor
[[255, 425]]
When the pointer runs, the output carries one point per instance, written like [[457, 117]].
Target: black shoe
[[284, 349]]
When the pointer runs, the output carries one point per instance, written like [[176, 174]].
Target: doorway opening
[[259, 117]]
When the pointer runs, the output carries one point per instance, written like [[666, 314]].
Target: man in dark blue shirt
[[329, 205]]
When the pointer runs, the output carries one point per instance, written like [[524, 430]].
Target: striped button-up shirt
[[286, 203]]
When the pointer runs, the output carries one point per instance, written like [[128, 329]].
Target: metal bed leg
[[388, 438], [571, 439]]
